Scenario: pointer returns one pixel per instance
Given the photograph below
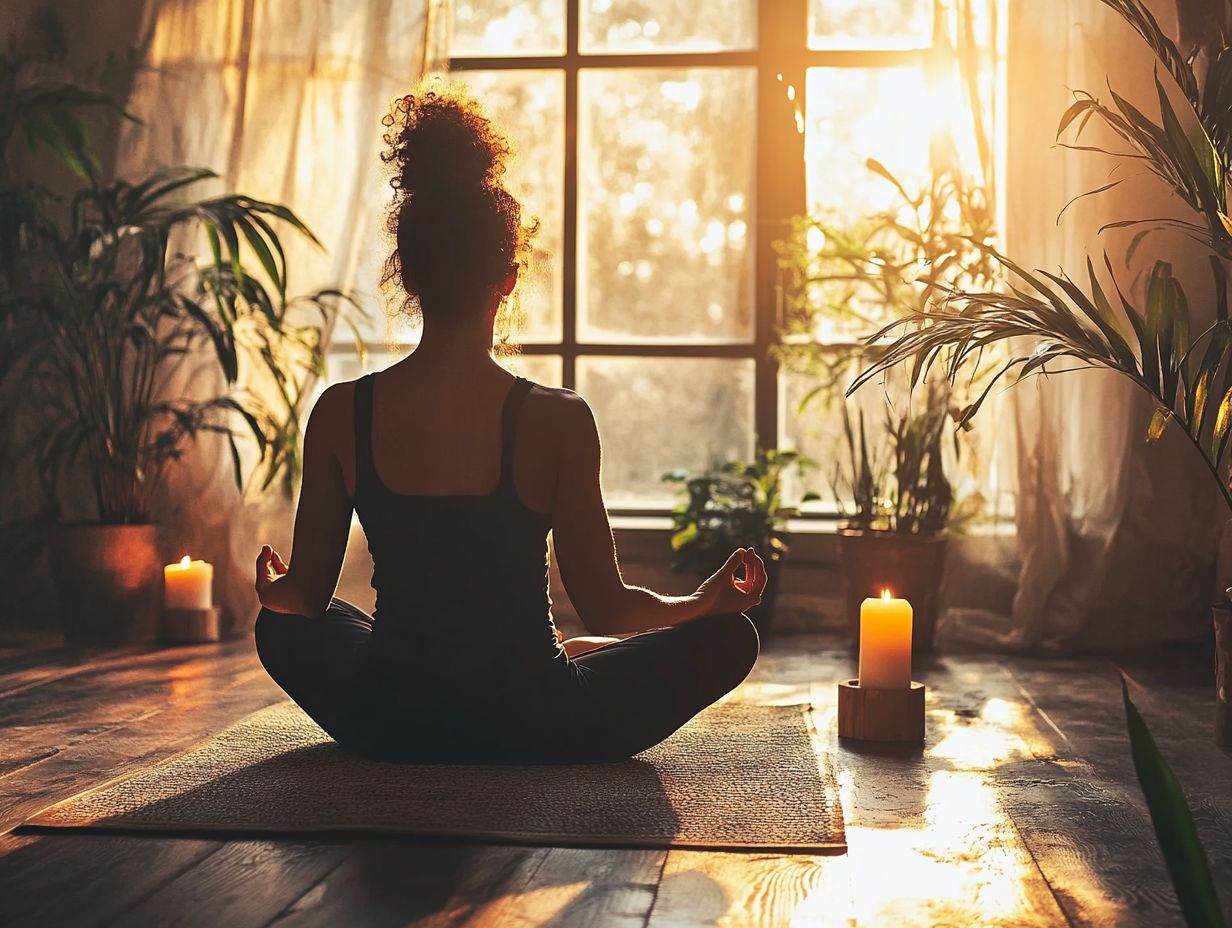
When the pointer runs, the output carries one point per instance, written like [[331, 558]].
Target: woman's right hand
[[724, 592], [270, 569]]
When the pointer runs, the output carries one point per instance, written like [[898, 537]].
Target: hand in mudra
[[270, 567], [727, 592]]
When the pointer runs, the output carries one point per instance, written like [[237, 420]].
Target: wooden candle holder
[[188, 625], [880, 715]]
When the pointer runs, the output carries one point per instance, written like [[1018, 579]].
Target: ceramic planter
[[108, 580], [908, 565]]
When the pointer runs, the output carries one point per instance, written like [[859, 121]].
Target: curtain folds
[[1116, 537], [284, 101]]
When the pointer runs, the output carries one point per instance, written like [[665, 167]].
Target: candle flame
[[885, 593], [185, 561]]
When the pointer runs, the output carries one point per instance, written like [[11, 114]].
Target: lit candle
[[188, 584], [885, 643]]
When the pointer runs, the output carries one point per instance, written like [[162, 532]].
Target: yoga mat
[[736, 777]]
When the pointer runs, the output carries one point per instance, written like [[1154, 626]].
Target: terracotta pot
[[1223, 675], [762, 615], [109, 581], [908, 565]]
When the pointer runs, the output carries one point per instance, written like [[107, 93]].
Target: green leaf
[[1159, 422], [685, 536], [1223, 419], [878, 168], [1174, 827], [1197, 403], [1167, 330], [1194, 157], [263, 253]]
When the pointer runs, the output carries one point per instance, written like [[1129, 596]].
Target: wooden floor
[[1022, 809]]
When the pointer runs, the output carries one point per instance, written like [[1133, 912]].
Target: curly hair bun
[[445, 141], [458, 231]]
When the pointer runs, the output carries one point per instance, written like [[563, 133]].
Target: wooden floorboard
[[1021, 810], [243, 884], [1080, 810], [112, 736], [929, 839], [38, 876]]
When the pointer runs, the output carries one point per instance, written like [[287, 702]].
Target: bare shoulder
[[332, 413], [568, 413], [335, 400]]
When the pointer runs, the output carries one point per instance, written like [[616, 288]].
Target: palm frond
[[1068, 323]]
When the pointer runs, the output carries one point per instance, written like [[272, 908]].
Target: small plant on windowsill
[[897, 506], [844, 277], [736, 504]]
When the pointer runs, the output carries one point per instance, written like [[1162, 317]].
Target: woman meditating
[[458, 471]]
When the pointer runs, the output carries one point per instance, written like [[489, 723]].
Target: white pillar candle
[[885, 643], [188, 585]]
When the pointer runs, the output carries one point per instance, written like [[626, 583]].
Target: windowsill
[[812, 541], [1001, 528], [661, 525]]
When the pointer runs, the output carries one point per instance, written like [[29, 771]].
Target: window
[[663, 146]]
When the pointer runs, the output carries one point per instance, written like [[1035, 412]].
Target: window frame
[[780, 60]]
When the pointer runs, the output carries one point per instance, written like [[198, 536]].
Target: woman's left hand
[[270, 568], [727, 592]]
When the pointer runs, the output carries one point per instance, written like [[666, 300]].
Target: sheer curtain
[[284, 101], [1116, 537]]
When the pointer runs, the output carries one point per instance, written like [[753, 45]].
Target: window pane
[[546, 369], [507, 27], [816, 432], [665, 238], [530, 107], [667, 25], [347, 365], [860, 113], [656, 414], [982, 473], [870, 23]]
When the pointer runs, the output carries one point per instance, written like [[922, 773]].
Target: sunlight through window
[[663, 152]]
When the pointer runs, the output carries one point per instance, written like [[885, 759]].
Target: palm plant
[[1152, 344], [901, 487], [857, 275], [101, 304], [117, 309]]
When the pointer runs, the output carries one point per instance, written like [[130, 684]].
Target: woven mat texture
[[736, 777]]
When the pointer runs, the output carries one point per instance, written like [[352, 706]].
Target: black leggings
[[612, 702]]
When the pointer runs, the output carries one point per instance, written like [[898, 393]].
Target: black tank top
[[460, 580]]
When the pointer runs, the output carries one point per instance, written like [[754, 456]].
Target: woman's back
[[458, 552], [438, 433]]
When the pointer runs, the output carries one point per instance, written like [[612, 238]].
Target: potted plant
[[102, 301], [895, 531], [1185, 368], [736, 504], [847, 276]]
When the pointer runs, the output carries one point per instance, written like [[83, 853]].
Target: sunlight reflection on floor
[[929, 841]]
